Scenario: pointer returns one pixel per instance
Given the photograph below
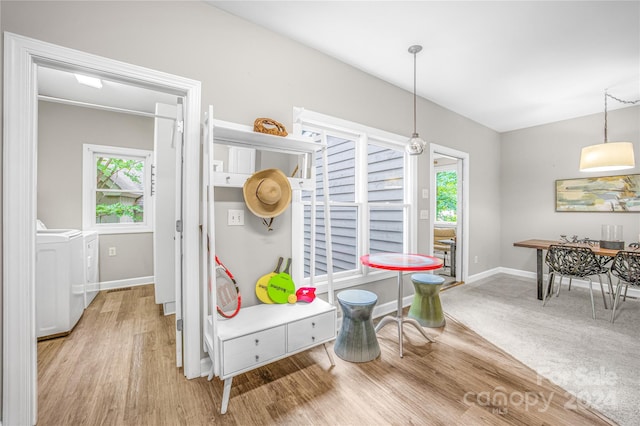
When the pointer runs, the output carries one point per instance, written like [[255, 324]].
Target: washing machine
[[92, 275], [60, 280]]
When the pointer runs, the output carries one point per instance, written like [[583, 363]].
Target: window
[[370, 194], [117, 189], [446, 194]]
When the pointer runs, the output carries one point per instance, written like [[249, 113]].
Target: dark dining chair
[[625, 267], [575, 262]]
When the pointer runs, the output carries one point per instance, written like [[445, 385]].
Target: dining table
[[401, 262], [540, 245]]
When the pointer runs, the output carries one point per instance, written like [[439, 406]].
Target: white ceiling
[[63, 85], [504, 64]]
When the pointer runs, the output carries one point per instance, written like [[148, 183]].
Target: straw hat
[[267, 193]]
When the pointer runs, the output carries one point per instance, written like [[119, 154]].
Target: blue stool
[[426, 307], [357, 341]]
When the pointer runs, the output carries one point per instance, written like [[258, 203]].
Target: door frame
[[22, 55], [462, 256]]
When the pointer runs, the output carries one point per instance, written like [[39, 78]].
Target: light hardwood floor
[[118, 368]]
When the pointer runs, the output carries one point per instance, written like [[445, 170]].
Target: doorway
[[130, 203], [448, 235], [22, 57]]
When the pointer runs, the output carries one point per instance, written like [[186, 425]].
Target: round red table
[[401, 262]]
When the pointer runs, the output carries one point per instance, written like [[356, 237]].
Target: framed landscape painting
[[599, 194]]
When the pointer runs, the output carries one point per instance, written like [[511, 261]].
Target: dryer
[[60, 279]]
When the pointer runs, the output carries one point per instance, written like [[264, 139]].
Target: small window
[[447, 196], [117, 189]]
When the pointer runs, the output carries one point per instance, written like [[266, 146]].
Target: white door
[[167, 198], [164, 191]]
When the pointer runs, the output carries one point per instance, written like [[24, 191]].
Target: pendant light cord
[[414, 92], [607, 95], [606, 139], [414, 51]]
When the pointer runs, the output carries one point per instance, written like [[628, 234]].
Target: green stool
[[426, 307]]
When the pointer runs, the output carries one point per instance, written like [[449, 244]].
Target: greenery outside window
[[117, 189], [447, 195]]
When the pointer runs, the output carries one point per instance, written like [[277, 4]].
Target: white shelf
[[244, 136], [237, 180], [263, 333]]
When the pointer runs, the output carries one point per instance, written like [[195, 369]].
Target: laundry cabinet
[[262, 333]]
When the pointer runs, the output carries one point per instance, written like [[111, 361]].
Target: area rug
[[594, 360]]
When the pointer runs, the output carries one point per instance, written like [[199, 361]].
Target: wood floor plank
[[118, 368]]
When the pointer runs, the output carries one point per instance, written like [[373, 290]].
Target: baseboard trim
[[633, 292], [129, 282], [484, 274]]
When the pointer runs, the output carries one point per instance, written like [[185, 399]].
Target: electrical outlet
[[235, 218], [424, 214], [112, 251], [475, 259], [425, 193]]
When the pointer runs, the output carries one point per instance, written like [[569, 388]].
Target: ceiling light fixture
[[608, 156], [416, 145], [89, 81]]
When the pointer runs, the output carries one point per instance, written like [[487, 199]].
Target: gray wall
[[244, 83], [195, 40], [533, 158], [62, 130]]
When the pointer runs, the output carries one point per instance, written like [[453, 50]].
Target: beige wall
[[62, 130]]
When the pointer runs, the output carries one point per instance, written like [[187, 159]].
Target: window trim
[[89, 189], [362, 135]]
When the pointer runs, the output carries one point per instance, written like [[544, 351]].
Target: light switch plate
[[424, 214], [425, 193], [235, 218]]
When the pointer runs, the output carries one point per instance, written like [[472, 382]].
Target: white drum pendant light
[[415, 145], [608, 156]]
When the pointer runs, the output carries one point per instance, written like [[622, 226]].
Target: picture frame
[[605, 194]]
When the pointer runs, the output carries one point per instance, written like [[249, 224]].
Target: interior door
[[164, 192]]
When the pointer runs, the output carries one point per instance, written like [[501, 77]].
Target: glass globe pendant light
[[416, 144]]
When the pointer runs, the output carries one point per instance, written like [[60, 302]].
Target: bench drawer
[[253, 350], [310, 331]]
